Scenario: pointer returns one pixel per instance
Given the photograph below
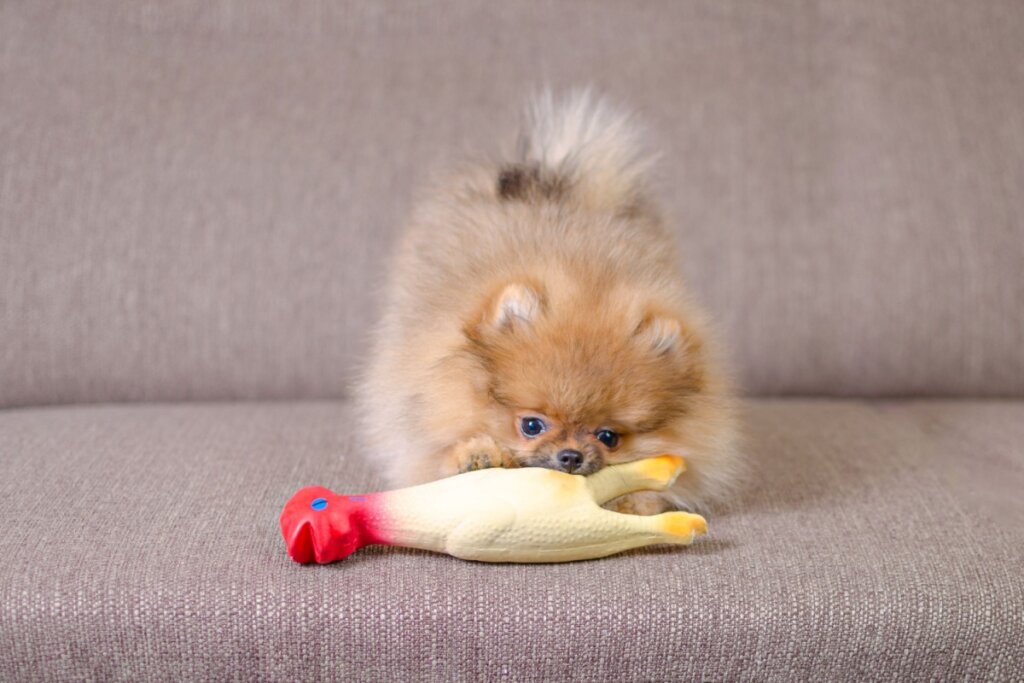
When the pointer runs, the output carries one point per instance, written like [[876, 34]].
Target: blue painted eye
[[318, 504], [608, 438], [532, 426]]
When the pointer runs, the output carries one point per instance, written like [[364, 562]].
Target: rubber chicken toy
[[493, 515]]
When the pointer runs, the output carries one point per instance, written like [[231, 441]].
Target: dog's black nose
[[569, 459]]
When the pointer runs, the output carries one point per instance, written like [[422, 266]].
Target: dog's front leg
[[477, 453]]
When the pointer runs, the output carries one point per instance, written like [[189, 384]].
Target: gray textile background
[[196, 198], [880, 542], [196, 203]]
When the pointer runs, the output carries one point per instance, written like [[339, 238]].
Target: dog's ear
[[514, 306], [660, 334]]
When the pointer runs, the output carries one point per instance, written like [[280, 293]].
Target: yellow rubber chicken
[[493, 515]]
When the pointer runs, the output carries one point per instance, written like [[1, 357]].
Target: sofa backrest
[[197, 199]]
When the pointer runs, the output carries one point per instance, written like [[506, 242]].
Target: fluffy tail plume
[[581, 147]]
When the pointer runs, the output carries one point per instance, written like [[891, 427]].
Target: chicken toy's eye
[[532, 426], [608, 438]]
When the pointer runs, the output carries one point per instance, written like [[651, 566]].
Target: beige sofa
[[196, 202]]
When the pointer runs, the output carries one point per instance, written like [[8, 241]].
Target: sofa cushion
[[877, 540], [197, 199]]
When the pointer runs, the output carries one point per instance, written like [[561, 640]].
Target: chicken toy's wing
[[484, 537]]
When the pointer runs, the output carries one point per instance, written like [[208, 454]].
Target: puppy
[[536, 317]]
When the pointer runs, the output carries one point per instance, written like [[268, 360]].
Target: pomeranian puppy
[[536, 316]]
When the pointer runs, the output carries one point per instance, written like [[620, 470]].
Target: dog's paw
[[479, 453], [640, 503]]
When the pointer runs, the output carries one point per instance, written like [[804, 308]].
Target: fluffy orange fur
[[546, 287]]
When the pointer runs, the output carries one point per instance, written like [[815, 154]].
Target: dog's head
[[577, 376]]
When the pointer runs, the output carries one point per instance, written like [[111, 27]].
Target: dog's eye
[[532, 426], [608, 438]]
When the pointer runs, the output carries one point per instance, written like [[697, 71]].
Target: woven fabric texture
[[878, 542], [197, 198]]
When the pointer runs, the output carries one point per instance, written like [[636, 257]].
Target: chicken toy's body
[[493, 515]]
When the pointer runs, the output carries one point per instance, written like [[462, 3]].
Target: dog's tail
[[581, 148]]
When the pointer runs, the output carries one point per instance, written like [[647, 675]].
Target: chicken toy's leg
[[680, 528], [651, 474], [632, 531]]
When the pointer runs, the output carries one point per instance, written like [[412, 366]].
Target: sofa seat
[[876, 540]]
